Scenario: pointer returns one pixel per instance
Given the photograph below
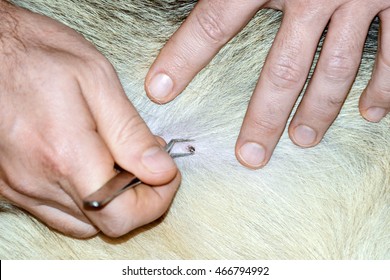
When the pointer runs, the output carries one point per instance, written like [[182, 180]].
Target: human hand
[[64, 121], [213, 23]]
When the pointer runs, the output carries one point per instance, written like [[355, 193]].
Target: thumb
[[132, 145]]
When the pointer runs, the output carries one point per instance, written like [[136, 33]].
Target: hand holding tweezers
[[125, 180]]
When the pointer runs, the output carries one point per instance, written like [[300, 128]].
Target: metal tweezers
[[125, 180]]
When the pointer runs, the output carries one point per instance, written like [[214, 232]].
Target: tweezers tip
[[92, 204]]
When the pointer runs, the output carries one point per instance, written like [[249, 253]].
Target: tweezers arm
[[125, 180], [115, 186]]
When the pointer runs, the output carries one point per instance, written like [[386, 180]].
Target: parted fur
[[327, 202]]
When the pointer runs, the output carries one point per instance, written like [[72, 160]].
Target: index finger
[[208, 27]]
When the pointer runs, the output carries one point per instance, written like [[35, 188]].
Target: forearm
[[7, 19], [4, 4], [15, 28], [11, 41]]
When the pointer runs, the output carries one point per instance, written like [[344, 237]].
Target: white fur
[[327, 202]]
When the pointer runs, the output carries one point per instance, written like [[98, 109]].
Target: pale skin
[[64, 121], [212, 23]]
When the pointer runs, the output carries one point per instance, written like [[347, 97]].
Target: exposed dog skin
[[327, 202]]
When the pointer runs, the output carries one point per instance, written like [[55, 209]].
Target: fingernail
[[304, 135], [375, 114], [160, 86], [156, 160], [252, 154]]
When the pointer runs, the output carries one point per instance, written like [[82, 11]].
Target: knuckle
[[78, 231], [383, 62], [378, 89], [212, 28], [265, 126], [303, 5], [56, 157], [284, 74], [129, 130], [100, 66], [338, 67], [334, 101], [322, 112], [381, 93], [180, 61], [113, 232], [114, 227]]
